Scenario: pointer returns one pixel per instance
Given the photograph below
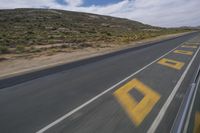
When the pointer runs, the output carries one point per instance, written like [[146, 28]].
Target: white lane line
[[98, 96], [191, 107], [163, 110]]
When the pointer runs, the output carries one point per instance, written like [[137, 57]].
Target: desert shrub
[[30, 32], [3, 49], [108, 34], [20, 49], [35, 50], [64, 46], [85, 45]]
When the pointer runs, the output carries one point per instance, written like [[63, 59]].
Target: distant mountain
[[198, 27], [28, 27], [190, 27]]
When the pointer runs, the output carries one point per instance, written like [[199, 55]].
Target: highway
[[134, 90]]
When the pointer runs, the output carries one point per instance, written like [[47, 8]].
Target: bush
[[3, 49], [20, 49], [108, 34], [34, 50]]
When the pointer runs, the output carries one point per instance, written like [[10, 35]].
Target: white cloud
[[74, 2], [155, 12], [105, 10], [4, 4]]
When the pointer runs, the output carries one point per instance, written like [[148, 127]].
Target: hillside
[[198, 27], [32, 30]]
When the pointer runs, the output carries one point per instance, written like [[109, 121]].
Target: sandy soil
[[19, 65]]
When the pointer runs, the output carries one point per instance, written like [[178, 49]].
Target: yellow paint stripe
[[189, 46], [137, 111], [183, 52], [197, 123], [171, 63]]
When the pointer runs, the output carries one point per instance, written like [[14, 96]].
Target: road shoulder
[[14, 67]]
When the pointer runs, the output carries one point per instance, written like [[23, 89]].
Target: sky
[[165, 13]]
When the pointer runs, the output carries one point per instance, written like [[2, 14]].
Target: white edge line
[[190, 110], [163, 110], [99, 95], [179, 111]]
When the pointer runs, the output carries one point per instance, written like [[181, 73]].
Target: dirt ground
[[15, 66]]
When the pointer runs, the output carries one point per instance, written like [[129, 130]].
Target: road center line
[[164, 108], [99, 95]]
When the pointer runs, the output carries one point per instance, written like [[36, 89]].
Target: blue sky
[[99, 2], [93, 2], [62, 2], [165, 13]]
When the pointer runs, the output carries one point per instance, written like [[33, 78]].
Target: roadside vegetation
[[38, 30]]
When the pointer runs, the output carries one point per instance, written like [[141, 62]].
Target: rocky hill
[[25, 30]]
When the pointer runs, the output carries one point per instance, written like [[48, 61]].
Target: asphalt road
[[134, 90]]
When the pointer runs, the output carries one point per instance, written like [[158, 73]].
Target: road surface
[[135, 90]]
